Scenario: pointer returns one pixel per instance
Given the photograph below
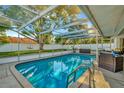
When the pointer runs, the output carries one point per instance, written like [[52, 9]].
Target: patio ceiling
[[108, 19]]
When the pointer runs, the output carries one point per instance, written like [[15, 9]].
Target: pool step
[[73, 74], [100, 81], [83, 81], [79, 81]]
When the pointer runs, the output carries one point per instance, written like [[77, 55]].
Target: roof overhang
[[108, 19]]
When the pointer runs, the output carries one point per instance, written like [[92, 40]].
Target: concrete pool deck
[[116, 80], [7, 80]]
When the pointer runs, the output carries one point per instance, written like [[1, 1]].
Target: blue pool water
[[53, 72]]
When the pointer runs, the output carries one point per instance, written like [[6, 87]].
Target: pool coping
[[22, 80]]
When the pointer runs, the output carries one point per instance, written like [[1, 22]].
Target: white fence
[[14, 47]]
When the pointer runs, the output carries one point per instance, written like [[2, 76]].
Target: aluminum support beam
[[18, 47], [77, 35], [30, 10], [97, 48], [38, 16], [11, 19], [82, 37], [65, 26], [77, 32], [72, 24]]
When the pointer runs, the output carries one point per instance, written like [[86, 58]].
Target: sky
[[12, 33]]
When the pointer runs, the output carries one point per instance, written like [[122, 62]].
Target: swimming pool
[[53, 72]]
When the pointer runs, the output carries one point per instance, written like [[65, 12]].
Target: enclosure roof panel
[[42, 19], [20, 14]]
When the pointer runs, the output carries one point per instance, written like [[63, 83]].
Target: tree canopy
[[3, 37], [58, 17]]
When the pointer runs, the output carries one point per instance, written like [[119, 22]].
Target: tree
[[68, 14], [3, 37], [33, 33]]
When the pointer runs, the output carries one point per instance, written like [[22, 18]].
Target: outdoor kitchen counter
[[109, 62]]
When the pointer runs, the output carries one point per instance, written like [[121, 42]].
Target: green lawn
[[15, 53]]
